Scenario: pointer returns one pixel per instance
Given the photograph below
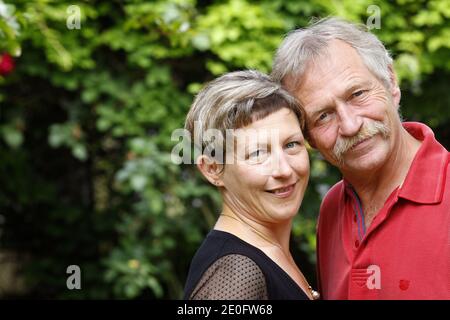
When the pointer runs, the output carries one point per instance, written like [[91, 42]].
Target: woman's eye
[[292, 144], [254, 154], [257, 154]]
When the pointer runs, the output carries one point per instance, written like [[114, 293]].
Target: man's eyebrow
[[315, 113], [356, 85], [349, 89]]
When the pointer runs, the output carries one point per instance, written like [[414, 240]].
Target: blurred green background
[[87, 112]]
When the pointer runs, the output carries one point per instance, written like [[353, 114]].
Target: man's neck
[[373, 188]]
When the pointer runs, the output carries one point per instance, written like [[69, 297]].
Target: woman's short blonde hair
[[233, 101]]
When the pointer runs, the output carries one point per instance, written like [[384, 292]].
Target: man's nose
[[349, 121]]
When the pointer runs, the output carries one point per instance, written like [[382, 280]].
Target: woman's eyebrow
[[298, 133]]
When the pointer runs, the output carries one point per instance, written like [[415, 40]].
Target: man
[[384, 230]]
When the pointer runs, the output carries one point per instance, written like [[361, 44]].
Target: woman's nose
[[281, 167]]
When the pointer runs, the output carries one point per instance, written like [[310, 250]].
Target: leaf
[[12, 136], [56, 136], [201, 42], [155, 286], [138, 182], [79, 151]]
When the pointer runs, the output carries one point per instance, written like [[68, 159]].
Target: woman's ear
[[210, 169]]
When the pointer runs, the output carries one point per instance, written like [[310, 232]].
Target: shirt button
[[356, 243]]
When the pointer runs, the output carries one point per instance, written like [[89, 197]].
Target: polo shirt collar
[[425, 181]]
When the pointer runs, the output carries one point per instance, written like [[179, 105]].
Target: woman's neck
[[252, 230]]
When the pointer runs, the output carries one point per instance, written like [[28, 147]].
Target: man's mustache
[[368, 130]]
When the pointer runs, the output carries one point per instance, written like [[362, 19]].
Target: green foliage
[[87, 116], [10, 28]]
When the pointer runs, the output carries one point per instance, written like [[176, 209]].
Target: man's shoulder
[[333, 196], [331, 202]]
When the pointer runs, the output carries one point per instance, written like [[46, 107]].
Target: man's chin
[[362, 164]]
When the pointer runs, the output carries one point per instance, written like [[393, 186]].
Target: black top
[[226, 267]]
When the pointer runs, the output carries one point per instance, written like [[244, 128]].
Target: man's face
[[352, 117]]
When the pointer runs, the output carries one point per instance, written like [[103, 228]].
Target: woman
[[261, 168]]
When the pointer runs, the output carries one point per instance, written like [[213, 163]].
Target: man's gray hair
[[302, 46], [235, 100]]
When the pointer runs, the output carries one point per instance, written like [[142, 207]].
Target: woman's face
[[269, 169]]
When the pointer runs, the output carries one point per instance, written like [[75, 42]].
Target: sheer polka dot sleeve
[[232, 277]]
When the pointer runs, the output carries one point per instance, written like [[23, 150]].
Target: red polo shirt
[[405, 253]]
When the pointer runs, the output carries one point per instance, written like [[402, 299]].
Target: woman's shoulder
[[226, 267], [232, 276], [220, 243]]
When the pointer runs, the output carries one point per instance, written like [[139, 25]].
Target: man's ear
[[211, 170], [311, 142], [309, 139], [394, 89]]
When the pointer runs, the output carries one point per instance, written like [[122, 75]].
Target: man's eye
[[358, 93], [323, 116]]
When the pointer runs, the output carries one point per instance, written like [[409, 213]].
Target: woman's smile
[[283, 192]]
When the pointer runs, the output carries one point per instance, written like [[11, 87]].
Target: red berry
[[6, 64]]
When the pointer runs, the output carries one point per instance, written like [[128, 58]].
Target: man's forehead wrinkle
[[337, 66], [313, 88]]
